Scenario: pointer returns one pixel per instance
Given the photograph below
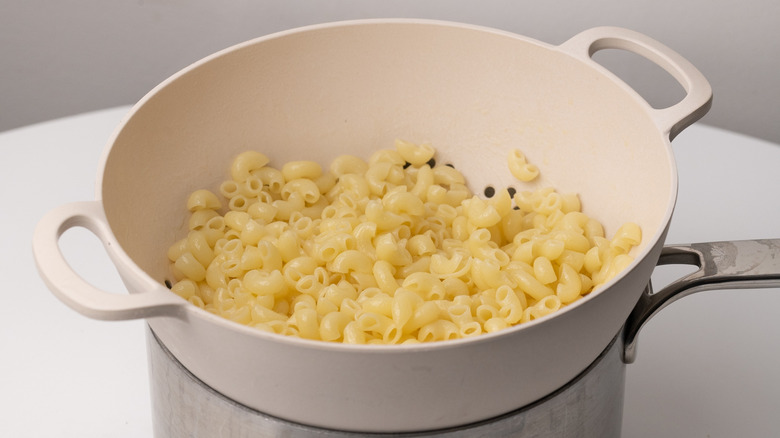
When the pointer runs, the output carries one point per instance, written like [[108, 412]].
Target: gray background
[[70, 56]]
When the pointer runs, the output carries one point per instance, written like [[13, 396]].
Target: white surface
[[706, 365]]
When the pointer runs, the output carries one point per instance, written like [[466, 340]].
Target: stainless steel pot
[[353, 87], [590, 406]]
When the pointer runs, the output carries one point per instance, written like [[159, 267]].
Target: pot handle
[[745, 264], [671, 120], [76, 292]]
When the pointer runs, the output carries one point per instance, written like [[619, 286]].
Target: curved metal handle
[[671, 120], [745, 264], [77, 293]]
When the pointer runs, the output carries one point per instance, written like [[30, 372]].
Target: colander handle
[[76, 292], [673, 119], [743, 264]]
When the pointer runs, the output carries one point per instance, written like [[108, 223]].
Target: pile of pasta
[[391, 250]]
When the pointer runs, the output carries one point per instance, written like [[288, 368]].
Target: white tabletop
[[707, 365]]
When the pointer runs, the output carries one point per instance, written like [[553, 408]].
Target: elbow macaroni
[[392, 250]]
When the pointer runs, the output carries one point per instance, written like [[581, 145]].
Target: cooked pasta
[[389, 250], [520, 168]]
